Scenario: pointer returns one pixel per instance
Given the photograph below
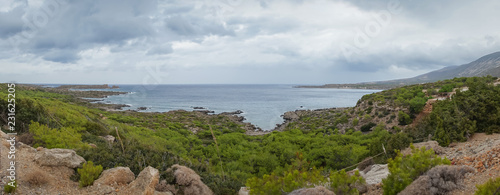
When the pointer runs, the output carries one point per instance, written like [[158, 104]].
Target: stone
[[376, 173], [189, 181], [318, 190], [144, 184], [243, 191], [109, 138], [39, 148], [59, 157], [120, 175]]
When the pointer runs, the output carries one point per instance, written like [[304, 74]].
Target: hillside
[[486, 65], [227, 154]]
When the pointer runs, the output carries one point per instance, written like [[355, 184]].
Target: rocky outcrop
[[109, 138], [318, 190], [119, 175], [232, 113], [59, 157], [243, 191], [375, 173], [145, 182], [188, 181], [434, 145], [439, 180], [290, 116]]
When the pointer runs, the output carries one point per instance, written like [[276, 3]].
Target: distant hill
[[486, 65]]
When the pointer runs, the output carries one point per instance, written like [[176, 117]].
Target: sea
[[262, 105]]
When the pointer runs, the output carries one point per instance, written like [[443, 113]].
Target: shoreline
[[97, 101]]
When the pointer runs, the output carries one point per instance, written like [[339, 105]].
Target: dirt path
[[426, 111]]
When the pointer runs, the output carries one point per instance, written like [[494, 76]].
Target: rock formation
[[59, 157]]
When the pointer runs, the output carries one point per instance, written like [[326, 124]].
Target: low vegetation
[[405, 169], [328, 140], [492, 186], [89, 173]]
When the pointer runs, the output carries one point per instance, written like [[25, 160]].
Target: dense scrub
[[474, 110]]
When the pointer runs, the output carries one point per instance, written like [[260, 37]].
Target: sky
[[239, 42]]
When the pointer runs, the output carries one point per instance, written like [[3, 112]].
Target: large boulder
[[439, 180], [59, 157], [189, 181], [375, 174], [119, 175], [145, 182], [318, 190]]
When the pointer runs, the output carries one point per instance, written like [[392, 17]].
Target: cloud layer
[[235, 41]]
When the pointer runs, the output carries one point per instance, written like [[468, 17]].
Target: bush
[[404, 169], [403, 118], [417, 104], [54, 138], [10, 187], [397, 142], [368, 127], [89, 173], [355, 122], [341, 183], [488, 188], [298, 175]]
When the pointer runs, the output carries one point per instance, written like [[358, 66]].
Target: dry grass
[[37, 178]]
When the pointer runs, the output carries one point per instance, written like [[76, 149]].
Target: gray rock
[[376, 173], [243, 191], [144, 184], [59, 157]]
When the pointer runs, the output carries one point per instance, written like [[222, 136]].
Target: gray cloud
[[298, 41]]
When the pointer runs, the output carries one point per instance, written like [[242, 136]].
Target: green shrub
[[488, 188], [298, 175], [355, 122], [54, 138], [403, 118], [341, 183], [417, 104], [10, 187], [404, 169], [368, 127], [396, 142], [89, 173]]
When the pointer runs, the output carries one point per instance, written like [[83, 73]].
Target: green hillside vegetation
[[328, 141]]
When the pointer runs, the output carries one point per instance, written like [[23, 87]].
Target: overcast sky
[[236, 41]]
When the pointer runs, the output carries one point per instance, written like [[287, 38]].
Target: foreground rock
[[318, 190], [145, 183], [375, 173], [59, 157], [119, 175], [439, 180], [189, 182]]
